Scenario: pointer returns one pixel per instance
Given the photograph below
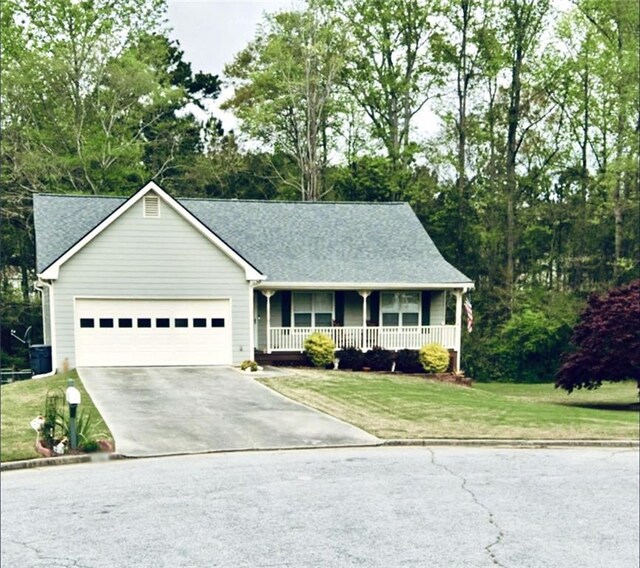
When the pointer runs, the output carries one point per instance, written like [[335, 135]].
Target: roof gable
[[50, 270]]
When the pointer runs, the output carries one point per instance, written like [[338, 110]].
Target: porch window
[[400, 308], [312, 309]]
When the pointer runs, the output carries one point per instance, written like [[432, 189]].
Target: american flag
[[468, 308]]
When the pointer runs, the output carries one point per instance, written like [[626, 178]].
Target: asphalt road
[[368, 507], [155, 411]]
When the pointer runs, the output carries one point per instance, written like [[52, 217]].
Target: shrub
[[88, 429], [607, 341], [248, 364], [434, 358], [320, 349], [378, 359], [525, 348], [407, 361], [351, 358]]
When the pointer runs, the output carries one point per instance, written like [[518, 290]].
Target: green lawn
[[22, 402], [402, 406]]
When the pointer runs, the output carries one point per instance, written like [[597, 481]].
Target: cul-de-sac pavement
[[378, 507]]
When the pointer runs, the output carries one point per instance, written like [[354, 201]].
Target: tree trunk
[[512, 151]]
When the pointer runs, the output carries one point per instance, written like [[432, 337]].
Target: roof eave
[[267, 285]]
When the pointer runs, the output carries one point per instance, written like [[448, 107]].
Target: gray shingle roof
[[320, 242]]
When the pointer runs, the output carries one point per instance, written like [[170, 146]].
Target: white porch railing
[[364, 338]]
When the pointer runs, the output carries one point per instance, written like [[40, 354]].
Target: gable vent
[[151, 206]]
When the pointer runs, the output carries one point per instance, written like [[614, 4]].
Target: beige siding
[[139, 257]]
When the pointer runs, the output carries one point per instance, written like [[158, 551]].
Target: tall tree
[[523, 25], [85, 88], [390, 69], [616, 28], [285, 92], [462, 47]]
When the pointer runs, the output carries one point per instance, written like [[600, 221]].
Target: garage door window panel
[[106, 322], [144, 322], [163, 322], [199, 322], [181, 322], [125, 322], [87, 322]]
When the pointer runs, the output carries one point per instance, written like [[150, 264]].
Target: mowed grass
[[403, 406], [23, 401]]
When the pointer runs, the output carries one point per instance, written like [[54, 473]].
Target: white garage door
[[122, 333]]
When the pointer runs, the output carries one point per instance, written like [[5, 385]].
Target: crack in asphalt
[[489, 548], [64, 561]]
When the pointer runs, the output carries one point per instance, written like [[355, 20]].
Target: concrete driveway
[[173, 410]]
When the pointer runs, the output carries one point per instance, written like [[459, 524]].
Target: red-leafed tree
[[607, 341]]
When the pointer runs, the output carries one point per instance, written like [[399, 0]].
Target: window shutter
[[426, 307], [286, 309], [339, 299], [374, 304]]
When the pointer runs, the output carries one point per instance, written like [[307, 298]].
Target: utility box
[[40, 356]]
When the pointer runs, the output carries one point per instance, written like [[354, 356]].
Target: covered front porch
[[392, 319]]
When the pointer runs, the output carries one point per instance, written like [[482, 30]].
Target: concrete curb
[[510, 443], [439, 442], [60, 460]]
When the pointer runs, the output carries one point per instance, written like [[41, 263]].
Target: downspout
[[52, 310]]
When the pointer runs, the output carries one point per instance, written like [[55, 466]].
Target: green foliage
[[248, 364], [90, 98], [434, 358], [285, 92], [527, 347], [54, 403], [18, 314], [320, 348], [89, 428]]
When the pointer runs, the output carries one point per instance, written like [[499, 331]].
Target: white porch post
[[458, 334], [267, 294], [365, 294]]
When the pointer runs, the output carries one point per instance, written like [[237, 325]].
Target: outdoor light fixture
[[73, 400]]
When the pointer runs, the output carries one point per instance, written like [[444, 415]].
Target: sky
[[211, 32]]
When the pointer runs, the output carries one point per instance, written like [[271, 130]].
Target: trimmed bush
[[434, 358], [407, 361], [320, 349], [378, 359], [351, 358], [252, 365]]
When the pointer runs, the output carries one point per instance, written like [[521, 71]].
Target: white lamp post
[[73, 400]]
